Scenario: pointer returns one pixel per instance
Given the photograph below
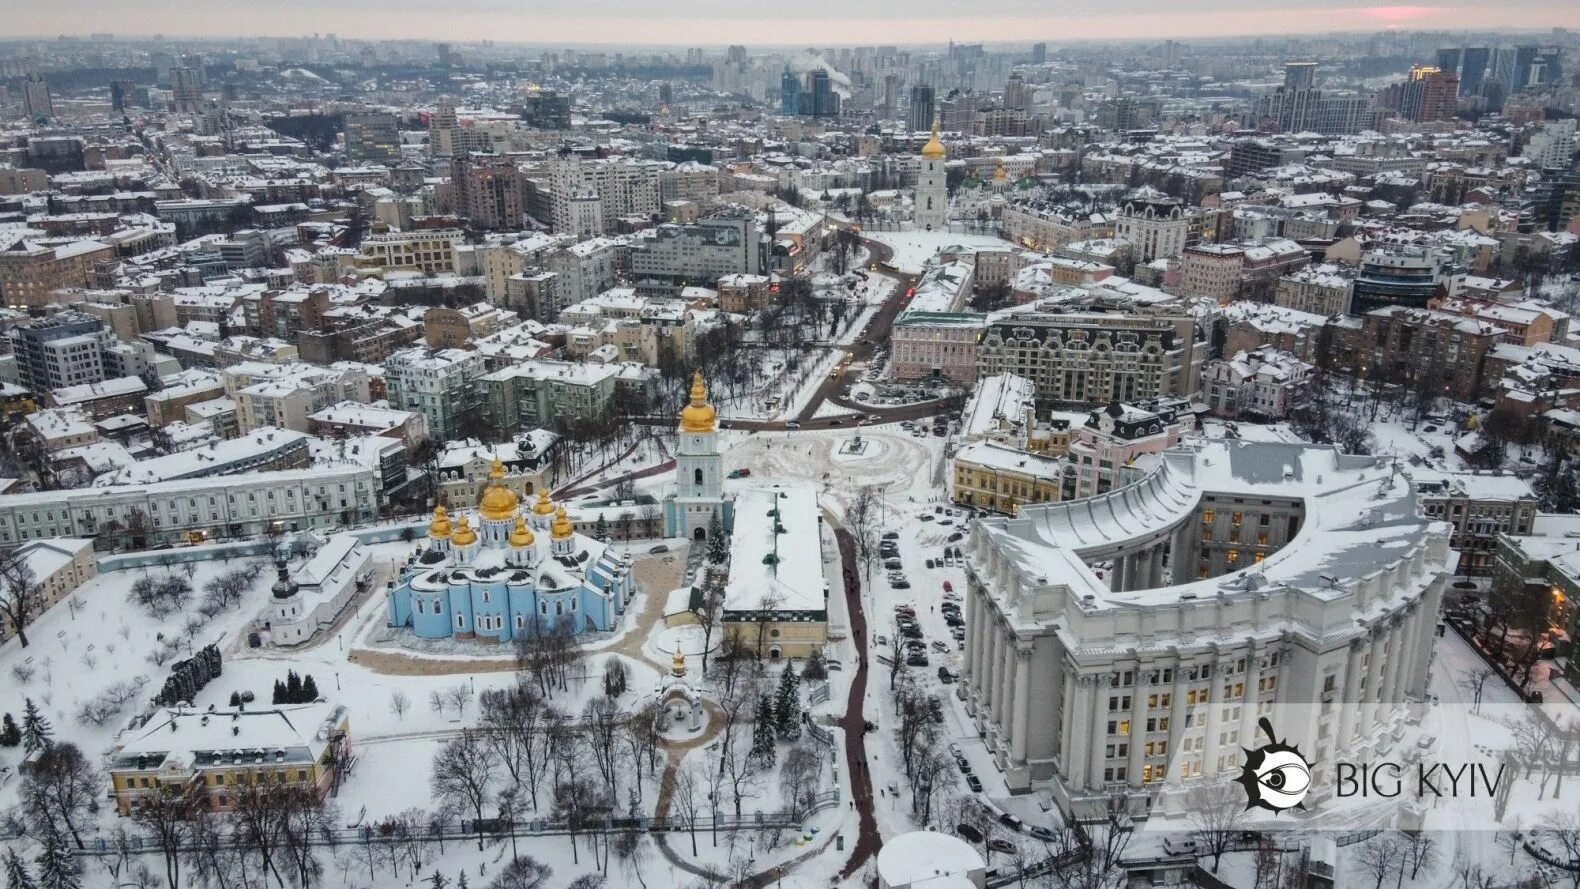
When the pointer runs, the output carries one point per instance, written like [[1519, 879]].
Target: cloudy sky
[[821, 22]]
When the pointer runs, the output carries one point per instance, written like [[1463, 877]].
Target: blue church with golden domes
[[520, 571]]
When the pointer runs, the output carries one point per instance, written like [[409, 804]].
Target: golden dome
[[440, 527], [499, 502], [698, 416], [934, 149], [521, 536], [544, 506], [1000, 174], [677, 664], [562, 527], [464, 535]]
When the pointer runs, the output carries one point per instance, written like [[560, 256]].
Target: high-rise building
[[372, 138], [823, 101], [122, 93], [891, 95], [36, 100], [1524, 61], [1298, 106], [548, 110], [1017, 95], [922, 113], [789, 93], [186, 93], [1039, 53], [1300, 75], [488, 191], [1430, 94], [1449, 59], [1473, 70]]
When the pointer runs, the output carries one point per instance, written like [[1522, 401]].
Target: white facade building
[[1159, 622]]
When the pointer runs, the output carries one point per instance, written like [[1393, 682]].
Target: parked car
[[911, 632], [660, 548], [893, 564], [926, 516], [1003, 847], [1011, 822], [958, 535], [944, 675], [975, 783], [916, 660], [901, 584], [1042, 833], [948, 587], [880, 640], [940, 647], [891, 535], [964, 765], [929, 563]]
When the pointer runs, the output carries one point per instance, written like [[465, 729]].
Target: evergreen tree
[[601, 530], [763, 732], [718, 547], [279, 692], [438, 881], [16, 875], [309, 690], [10, 735], [787, 709], [57, 866], [235, 699], [460, 882], [293, 687], [36, 731], [816, 669]]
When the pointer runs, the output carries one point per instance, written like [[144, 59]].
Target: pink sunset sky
[[821, 22]]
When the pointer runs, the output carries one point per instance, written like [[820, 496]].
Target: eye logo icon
[[1275, 776]]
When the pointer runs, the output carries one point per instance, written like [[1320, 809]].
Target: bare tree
[[1379, 857], [399, 703], [306, 819], [462, 772], [166, 816], [1562, 836], [20, 593], [62, 789], [602, 723], [257, 822], [523, 872], [686, 794], [707, 607], [1420, 850], [1474, 682], [1216, 811]]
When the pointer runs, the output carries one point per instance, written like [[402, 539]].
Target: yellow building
[[997, 477], [302, 745], [776, 597]]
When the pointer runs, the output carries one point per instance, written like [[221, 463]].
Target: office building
[[700, 253], [62, 350], [789, 93], [36, 100], [1069, 702], [923, 109], [372, 138], [186, 91], [1430, 95]]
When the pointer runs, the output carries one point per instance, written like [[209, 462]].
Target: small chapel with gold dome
[[508, 570], [699, 471]]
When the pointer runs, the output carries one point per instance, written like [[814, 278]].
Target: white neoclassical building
[[1129, 643]]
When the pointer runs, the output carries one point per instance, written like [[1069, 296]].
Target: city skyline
[[713, 23]]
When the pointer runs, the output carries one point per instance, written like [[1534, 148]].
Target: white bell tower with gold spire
[[932, 192], [699, 467]]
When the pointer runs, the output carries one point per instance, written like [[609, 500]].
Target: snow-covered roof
[[779, 557]]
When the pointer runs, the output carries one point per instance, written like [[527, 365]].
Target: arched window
[[696, 476]]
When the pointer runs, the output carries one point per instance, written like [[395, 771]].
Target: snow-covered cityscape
[[595, 446]]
